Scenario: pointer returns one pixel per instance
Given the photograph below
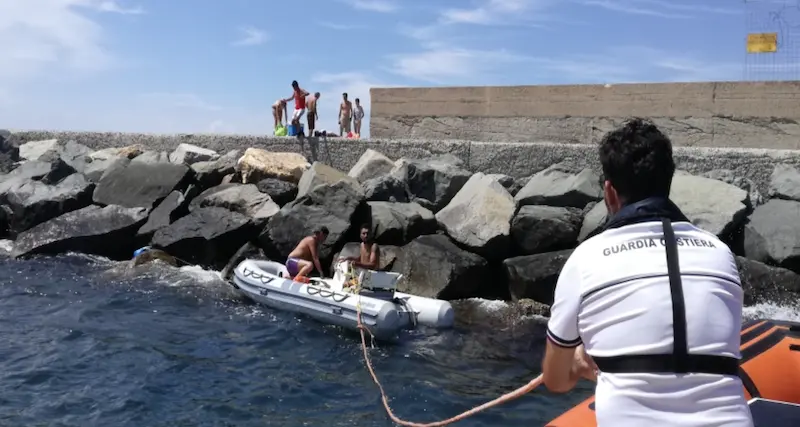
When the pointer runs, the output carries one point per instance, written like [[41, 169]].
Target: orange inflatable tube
[[769, 368]]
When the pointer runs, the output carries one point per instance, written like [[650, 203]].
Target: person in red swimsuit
[[299, 95]]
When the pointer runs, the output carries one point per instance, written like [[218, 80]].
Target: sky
[[199, 66]]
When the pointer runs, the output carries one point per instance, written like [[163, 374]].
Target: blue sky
[[217, 66]]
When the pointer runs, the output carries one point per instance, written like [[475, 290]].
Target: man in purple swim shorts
[[305, 256]]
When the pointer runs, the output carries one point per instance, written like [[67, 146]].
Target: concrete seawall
[[713, 114], [514, 159]]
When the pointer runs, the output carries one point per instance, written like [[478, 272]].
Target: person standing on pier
[[312, 116], [358, 115], [299, 95], [345, 115]]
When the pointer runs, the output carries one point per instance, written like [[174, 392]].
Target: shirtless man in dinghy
[[305, 255], [369, 253]]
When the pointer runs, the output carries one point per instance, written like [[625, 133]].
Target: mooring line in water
[[536, 382]]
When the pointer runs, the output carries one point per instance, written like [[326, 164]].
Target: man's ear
[[611, 197]]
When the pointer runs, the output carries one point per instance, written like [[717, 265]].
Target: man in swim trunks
[[345, 113], [358, 115], [370, 254], [279, 112], [312, 113], [305, 256], [299, 95]]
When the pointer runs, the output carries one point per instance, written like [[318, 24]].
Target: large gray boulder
[[712, 205], [151, 156], [536, 229], [535, 276], [108, 232], [32, 150], [435, 180], [386, 189], [174, 206], [95, 169], [593, 220], [559, 186], [338, 206], [730, 177], [51, 171], [141, 184], [34, 202], [773, 234], [211, 172], [371, 164], [785, 182], [242, 198], [506, 181], [9, 152], [322, 174], [433, 266], [400, 223], [281, 192], [479, 217], [207, 236], [190, 154], [765, 284]]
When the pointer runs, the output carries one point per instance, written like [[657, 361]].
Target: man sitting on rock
[[305, 256], [370, 255]]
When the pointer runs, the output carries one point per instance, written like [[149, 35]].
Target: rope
[[536, 382]]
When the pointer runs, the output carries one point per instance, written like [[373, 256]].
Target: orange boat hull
[[770, 369]]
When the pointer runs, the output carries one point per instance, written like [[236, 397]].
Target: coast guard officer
[[650, 307]]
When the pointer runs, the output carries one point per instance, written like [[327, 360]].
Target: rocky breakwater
[[454, 234]]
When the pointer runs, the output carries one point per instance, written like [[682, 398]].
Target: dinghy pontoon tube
[[383, 310]]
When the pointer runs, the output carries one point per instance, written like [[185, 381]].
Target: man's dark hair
[[294, 83], [367, 226], [324, 230], [358, 100], [344, 94], [637, 160], [316, 94]]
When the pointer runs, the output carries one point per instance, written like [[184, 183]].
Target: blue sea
[[85, 341]]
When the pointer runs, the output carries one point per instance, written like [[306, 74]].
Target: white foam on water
[[6, 246], [787, 312], [200, 274], [779, 311]]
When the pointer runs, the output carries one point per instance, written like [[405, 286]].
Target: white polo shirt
[[613, 295]]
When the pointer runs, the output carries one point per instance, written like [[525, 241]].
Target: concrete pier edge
[[516, 159]]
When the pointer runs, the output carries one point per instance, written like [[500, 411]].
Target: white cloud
[[493, 12], [115, 7], [341, 27], [381, 6], [41, 38], [659, 8], [251, 36], [444, 65], [630, 64]]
